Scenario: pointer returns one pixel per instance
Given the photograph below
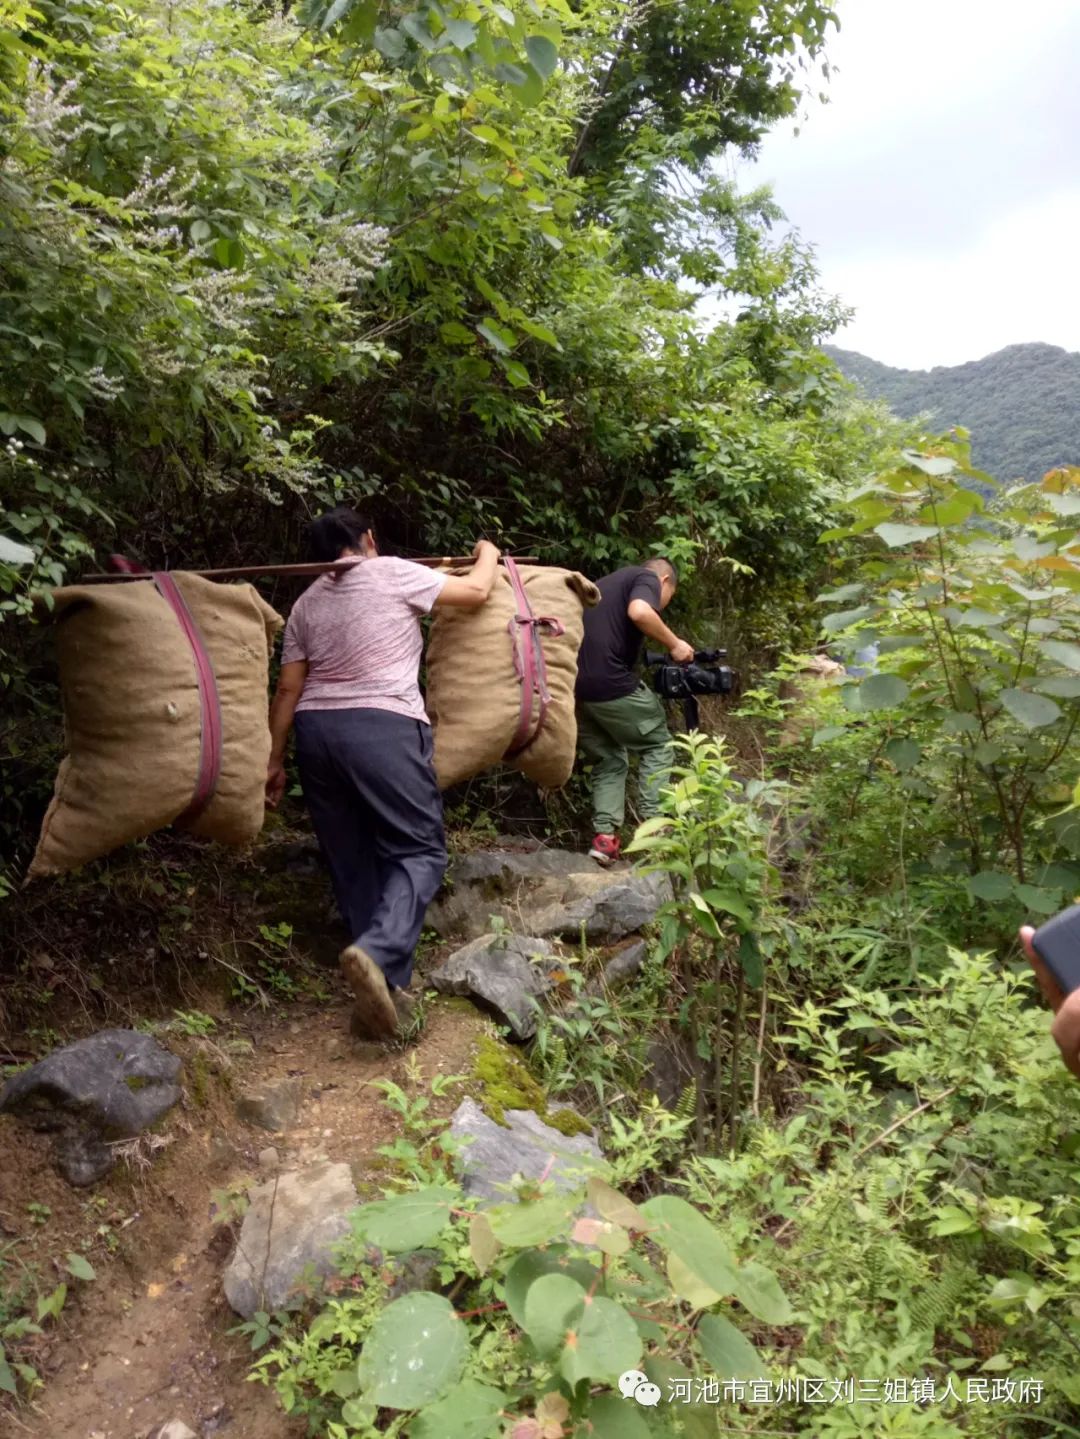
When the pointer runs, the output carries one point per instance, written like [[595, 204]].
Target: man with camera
[[617, 715]]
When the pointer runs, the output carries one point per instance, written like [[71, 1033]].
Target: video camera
[[704, 675]]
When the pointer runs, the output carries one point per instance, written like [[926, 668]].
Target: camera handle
[[691, 714]]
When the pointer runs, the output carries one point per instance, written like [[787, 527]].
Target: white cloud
[[939, 183], [1014, 283]]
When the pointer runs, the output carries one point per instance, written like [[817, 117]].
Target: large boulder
[[112, 1085], [525, 1145], [291, 1227], [504, 974], [547, 892]]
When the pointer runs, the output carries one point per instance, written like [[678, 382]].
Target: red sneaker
[[605, 848]]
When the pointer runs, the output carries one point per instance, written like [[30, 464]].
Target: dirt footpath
[[147, 1342]]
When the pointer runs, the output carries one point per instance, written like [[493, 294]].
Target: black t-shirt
[[612, 641]]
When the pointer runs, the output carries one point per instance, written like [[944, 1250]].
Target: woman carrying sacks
[[349, 684]]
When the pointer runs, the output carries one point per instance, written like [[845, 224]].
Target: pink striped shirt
[[359, 632]]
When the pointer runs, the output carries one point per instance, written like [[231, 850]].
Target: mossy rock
[[503, 1082]]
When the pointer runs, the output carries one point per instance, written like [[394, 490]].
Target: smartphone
[[1057, 943]]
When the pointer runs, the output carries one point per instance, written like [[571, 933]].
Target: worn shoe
[[374, 1016], [605, 848]]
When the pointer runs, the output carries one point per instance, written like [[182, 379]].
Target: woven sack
[[132, 716], [474, 694]]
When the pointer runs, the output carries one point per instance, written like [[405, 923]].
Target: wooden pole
[[241, 572]]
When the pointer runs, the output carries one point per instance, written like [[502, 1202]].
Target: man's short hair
[[663, 568]]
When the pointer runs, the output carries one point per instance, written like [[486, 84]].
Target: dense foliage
[[1020, 403], [439, 261]]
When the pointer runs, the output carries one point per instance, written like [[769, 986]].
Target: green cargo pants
[[609, 732]]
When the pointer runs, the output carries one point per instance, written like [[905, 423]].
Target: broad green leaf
[[840, 596], [843, 619], [553, 1305], [1063, 652], [730, 902], [686, 1284], [680, 1229], [80, 1267], [200, 231], [824, 736], [750, 958], [540, 332], [460, 33], [975, 618], [728, 1354], [417, 28], [510, 74], [992, 885], [1062, 687], [543, 55], [956, 722], [904, 754], [29, 426], [612, 1417], [406, 1221], [882, 691], [523, 1224], [389, 42], [531, 89], [415, 1352], [7, 1378], [606, 1344], [455, 333], [758, 1290], [988, 752], [516, 373], [483, 1246], [527, 1268], [934, 465], [334, 13], [889, 644], [1063, 504], [1012, 1290], [613, 1206], [1031, 710], [897, 535], [470, 1410], [1039, 900], [499, 338]]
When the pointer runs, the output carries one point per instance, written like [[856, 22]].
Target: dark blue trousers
[[370, 787]]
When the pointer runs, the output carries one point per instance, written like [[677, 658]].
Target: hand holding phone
[[1056, 962]]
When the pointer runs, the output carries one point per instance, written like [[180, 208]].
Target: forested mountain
[[1021, 404]]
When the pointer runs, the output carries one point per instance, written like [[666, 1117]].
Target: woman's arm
[[290, 688], [471, 590]]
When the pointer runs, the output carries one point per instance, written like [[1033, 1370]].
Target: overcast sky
[[941, 183]]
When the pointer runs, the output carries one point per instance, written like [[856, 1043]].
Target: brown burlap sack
[[473, 692], [131, 711]]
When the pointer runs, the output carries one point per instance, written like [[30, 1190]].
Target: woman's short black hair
[[337, 530]]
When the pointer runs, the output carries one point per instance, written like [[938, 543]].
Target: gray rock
[[616, 903], [547, 892], [174, 1429], [221, 1152], [274, 1106], [269, 1160], [501, 976], [119, 1079], [82, 1158], [291, 1226], [111, 1085], [622, 967], [528, 1147]]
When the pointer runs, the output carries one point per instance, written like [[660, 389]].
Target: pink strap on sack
[[210, 727], [209, 700], [529, 665]]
